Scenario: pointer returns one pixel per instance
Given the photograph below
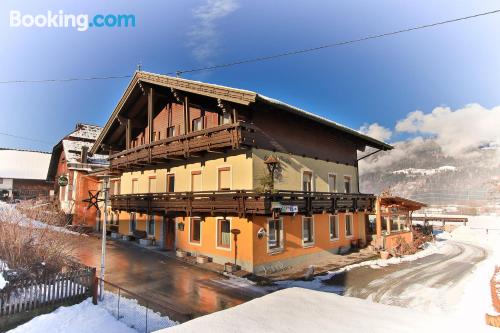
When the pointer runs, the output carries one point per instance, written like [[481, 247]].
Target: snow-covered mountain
[[420, 169]]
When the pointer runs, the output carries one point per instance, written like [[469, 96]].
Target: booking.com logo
[[80, 22]]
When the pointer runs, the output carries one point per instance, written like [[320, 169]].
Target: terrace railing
[[242, 202], [229, 136]]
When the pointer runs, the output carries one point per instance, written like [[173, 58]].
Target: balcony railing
[[242, 203], [229, 136]]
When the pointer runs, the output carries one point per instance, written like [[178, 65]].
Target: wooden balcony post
[[150, 115], [378, 221], [186, 115], [128, 133]]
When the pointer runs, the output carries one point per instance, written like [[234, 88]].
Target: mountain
[[420, 169]]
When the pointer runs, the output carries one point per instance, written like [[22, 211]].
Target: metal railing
[[139, 312]]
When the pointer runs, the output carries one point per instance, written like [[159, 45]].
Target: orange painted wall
[[208, 244], [293, 247]]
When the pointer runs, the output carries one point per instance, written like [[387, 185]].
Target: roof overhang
[[402, 202]]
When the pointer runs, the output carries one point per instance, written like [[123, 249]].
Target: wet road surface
[[176, 286], [432, 281]]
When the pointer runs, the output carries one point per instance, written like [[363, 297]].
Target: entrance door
[[169, 233]]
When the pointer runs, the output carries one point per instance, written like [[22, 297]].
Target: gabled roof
[[84, 135], [23, 164], [239, 96]]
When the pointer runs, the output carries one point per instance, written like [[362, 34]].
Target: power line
[[270, 57], [24, 138]]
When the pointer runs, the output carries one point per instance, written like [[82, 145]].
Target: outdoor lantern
[[180, 226], [272, 164]]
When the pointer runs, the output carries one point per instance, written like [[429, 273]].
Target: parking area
[[176, 285]]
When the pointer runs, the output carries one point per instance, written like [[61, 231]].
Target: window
[[170, 182], [275, 235], [171, 131], [115, 187], [226, 118], [347, 184], [135, 186], [132, 222], [197, 124], [334, 227], [348, 225], [223, 233], [151, 225], [307, 181], [307, 231], [224, 178], [154, 136], [195, 181], [195, 230], [332, 179], [152, 184]]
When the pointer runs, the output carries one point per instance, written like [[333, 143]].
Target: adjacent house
[[233, 175], [69, 169], [23, 173]]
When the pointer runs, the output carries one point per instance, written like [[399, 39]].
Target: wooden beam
[[128, 133], [187, 121], [149, 135]]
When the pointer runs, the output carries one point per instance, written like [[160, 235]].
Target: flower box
[[201, 259], [181, 253], [230, 267], [145, 242]]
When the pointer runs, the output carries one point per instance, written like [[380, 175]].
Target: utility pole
[[103, 243]]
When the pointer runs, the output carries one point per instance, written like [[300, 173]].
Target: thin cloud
[[204, 37], [376, 131]]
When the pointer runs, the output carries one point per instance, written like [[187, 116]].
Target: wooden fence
[[25, 298]]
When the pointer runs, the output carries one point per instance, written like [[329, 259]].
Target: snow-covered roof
[[73, 152], [86, 131], [23, 164]]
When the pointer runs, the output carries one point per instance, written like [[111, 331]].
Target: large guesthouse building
[[233, 175]]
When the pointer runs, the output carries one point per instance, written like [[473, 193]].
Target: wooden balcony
[[230, 136], [242, 203]]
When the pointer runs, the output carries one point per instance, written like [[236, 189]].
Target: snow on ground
[[100, 318], [81, 318], [301, 310], [317, 282]]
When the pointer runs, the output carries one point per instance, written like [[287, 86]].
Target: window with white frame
[[224, 233], [197, 124], [348, 225], [195, 230], [226, 118], [151, 225], [275, 234], [135, 185], [334, 227], [307, 181], [224, 178], [332, 178], [152, 184], [307, 231], [196, 184], [170, 182], [347, 184]]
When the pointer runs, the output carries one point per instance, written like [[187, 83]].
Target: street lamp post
[[103, 243]]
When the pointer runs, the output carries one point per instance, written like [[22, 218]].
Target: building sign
[[63, 181], [284, 208]]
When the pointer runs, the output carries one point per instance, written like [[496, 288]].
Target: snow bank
[[317, 282], [134, 315], [81, 318], [302, 310]]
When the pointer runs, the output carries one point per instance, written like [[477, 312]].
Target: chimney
[[85, 154]]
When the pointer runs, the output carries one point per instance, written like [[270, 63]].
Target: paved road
[[174, 285], [432, 281]]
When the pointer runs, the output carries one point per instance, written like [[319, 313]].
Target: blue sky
[[375, 81]]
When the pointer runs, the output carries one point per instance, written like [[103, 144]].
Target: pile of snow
[[318, 282], [302, 310], [134, 315], [81, 318], [425, 172]]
